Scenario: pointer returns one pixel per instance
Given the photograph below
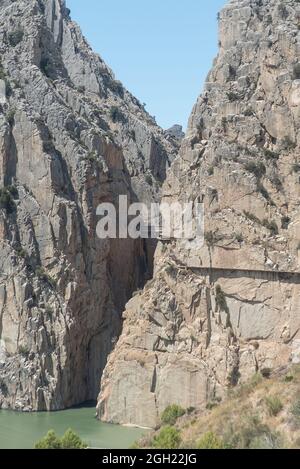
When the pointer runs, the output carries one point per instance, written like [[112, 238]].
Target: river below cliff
[[21, 430]]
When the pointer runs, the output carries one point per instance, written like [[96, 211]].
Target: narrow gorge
[[141, 324], [213, 317], [71, 137]]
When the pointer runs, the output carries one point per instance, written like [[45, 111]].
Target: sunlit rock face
[[214, 316], [71, 137]]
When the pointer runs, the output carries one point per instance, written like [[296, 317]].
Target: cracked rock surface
[[71, 137], [215, 315]]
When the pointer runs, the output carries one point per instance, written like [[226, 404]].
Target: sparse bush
[[7, 201], [117, 87], [21, 252], [210, 170], [248, 112], [149, 179], [15, 37], [167, 438], [23, 350], [232, 96], [288, 143], [252, 433], [40, 272], [3, 387], [171, 414], [116, 114], [256, 167], [271, 155], [210, 441], [274, 405], [239, 237], [266, 373], [295, 410]]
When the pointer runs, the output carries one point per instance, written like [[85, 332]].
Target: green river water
[[22, 430]]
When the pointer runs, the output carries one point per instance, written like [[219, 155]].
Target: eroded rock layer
[[214, 316]]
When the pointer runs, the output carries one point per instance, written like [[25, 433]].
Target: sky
[[161, 50]]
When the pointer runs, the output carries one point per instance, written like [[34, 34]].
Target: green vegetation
[[274, 405], [70, 440], [7, 199], [116, 114], [256, 167], [232, 96], [148, 179], [42, 274], [171, 414], [167, 438], [15, 37], [3, 387], [239, 237], [252, 417], [271, 155], [295, 410], [117, 87], [10, 116], [23, 350], [210, 441], [21, 252]]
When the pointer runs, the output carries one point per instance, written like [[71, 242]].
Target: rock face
[[70, 137], [214, 316], [175, 132]]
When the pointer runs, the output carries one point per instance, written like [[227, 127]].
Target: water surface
[[22, 430]]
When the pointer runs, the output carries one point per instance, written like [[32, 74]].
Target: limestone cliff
[[212, 317], [71, 137]]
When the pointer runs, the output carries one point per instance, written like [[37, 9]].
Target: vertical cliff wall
[[214, 316], [71, 136]]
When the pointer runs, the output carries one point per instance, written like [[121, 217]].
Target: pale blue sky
[[161, 50]]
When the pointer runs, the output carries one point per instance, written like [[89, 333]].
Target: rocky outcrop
[[214, 316], [175, 132], [71, 137]]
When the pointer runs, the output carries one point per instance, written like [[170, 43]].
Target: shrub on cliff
[[168, 438], [210, 441], [171, 414], [15, 37]]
